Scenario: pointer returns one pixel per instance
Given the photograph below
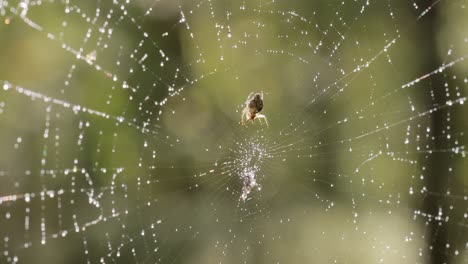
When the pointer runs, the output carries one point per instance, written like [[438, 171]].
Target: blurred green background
[[121, 139]]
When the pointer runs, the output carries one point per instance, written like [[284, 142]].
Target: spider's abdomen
[[256, 104]]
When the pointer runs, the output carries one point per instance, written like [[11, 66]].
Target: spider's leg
[[260, 116], [244, 117]]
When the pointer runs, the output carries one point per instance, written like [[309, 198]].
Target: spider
[[253, 105]]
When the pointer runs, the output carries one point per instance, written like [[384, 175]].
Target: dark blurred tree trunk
[[438, 162]]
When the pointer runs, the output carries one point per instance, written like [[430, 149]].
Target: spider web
[[121, 140]]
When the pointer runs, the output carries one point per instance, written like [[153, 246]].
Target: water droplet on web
[[6, 86]]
